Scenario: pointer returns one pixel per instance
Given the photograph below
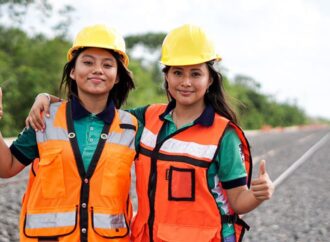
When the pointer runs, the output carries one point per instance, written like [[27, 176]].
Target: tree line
[[30, 65], [33, 64]]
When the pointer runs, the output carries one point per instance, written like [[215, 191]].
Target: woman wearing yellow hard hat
[[194, 164], [79, 184]]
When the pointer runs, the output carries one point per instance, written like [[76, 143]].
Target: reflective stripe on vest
[[50, 220], [107, 221], [56, 133], [173, 146]]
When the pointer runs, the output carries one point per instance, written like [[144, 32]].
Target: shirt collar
[[205, 119], [79, 112]]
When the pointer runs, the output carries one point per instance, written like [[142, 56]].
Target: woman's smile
[[96, 80]]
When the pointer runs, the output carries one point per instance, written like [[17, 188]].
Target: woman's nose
[[97, 69], [186, 81]]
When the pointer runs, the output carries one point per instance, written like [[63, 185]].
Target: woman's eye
[[107, 65], [177, 73], [196, 74], [88, 63]]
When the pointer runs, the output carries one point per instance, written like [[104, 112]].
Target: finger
[[27, 124], [32, 124], [263, 195], [259, 187], [262, 168], [264, 179], [261, 179], [40, 120], [46, 110], [36, 121]]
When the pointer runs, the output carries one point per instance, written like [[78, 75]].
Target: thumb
[[46, 110], [262, 168]]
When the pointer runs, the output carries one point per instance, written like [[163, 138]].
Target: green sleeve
[[139, 113], [25, 148], [138, 136], [230, 159]]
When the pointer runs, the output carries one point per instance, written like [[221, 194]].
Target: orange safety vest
[[175, 201], [65, 203]]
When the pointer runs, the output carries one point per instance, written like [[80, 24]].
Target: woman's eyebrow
[[93, 57]]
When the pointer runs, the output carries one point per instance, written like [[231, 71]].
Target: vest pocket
[[109, 225], [181, 233], [181, 184], [51, 173]]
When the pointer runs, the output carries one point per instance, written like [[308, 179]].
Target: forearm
[[245, 202], [9, 166], [6, 161]]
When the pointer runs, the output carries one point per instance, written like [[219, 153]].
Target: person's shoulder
[[230, 136], [125, 113], [127, 119], [55, 106]]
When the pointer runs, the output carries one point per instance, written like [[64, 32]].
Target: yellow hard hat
[[99, 36], [187, 45]]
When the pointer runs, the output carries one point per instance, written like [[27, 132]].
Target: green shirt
[[88, 131]]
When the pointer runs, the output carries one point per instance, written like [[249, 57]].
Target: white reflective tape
[[50, 220], [107, 221], [190, 148], [148, 138], [180, 147], [126, 138], [125, 117], [52, 133]]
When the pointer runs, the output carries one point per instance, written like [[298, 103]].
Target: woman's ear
[[210, 82], [165, 76], [72, 74], [117, 79]]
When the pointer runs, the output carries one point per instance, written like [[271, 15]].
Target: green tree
[[32, 65], [150, 40]]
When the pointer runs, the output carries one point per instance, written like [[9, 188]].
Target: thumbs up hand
[[1, 112], [262, 187]]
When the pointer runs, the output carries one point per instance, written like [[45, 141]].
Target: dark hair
[[118, 93], [215, 94]]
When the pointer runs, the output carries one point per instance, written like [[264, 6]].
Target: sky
[[283, 45]]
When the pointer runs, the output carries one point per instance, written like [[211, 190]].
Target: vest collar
[[205, 119], [79, 112]]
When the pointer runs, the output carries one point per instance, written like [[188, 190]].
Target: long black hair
[[215, 95], [118, 93]]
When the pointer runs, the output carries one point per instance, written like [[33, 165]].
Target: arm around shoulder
[[40, 105]]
